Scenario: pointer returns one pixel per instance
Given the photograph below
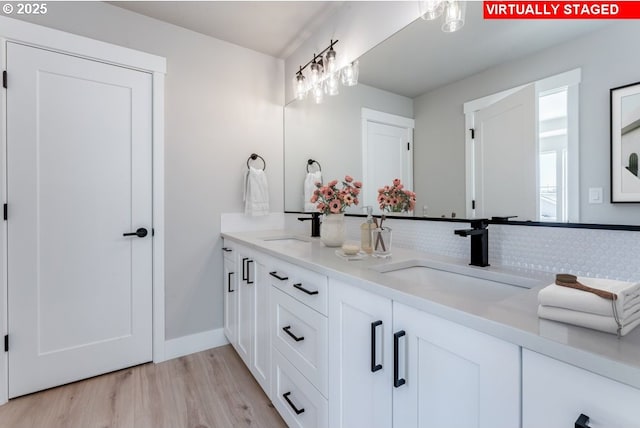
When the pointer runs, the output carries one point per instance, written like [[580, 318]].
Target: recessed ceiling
[[275, 28], [421, 57]]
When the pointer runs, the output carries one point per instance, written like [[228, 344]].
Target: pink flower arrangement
[[395, 198], [332, 200]]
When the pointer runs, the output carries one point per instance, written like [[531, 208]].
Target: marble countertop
[[504, 311]]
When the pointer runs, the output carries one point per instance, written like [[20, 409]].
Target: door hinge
[[473, 204], [473, 133], [4, 79], [6, 343], [5, 210], [408, 146]]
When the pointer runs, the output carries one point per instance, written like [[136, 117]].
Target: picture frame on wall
[[625, 143]]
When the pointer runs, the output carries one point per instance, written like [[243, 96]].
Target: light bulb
[[318, 93], [314, 76], [332, 84], [299, 86], [431, 9], [454, 15], [331, 64], [350, 74]]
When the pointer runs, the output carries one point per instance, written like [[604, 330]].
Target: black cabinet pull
[[244, 268], [304, 290], [582, 421], [275, 275], [293, 336], [229, 283], [140, 233], [293, 406], [226, 250], [397, 381], [249, 272], [374, 367]]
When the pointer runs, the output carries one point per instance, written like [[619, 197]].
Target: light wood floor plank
[[210, 389]]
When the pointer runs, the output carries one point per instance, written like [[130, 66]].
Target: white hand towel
[[256, 193], [607, 324], [578, 300], [310, 181]]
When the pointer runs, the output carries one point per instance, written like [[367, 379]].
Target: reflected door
[[79, 177], [506, 157], [387, 153]]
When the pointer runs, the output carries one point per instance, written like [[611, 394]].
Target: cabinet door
[[455, 377], [555, 394], [360, 374], [261, 361], [230, 301], [246, 299]]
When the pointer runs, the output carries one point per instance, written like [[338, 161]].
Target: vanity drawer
[[297, 401], [305, 286], [301, 335], [228, 250]]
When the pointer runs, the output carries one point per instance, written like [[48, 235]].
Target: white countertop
[[503, 311]]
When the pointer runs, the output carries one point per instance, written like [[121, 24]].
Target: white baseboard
[[193, 343]]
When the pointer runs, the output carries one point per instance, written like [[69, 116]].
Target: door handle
[[374, 367], [287, 330], [229, 283], [293, 406], [397, 381], [275, 275], [140, 233], [249, 272], [304, 290], [244, 268]]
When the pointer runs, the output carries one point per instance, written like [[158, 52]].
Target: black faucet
[[315, 224], [479, 241]]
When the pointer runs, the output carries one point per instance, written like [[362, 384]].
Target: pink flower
[[357, 184], [314, 199], [348, 199], [356, 191], [318, 184], [348, 178], [321, 206], [396, 182], [381, 190], [356, 201], [335, 206], [328, 192], [332, 183]]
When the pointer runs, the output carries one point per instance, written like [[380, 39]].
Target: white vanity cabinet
[[246, 300], [392, 365], [555, 394], [230, 295], [452, 376]]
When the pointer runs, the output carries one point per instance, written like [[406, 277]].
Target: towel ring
[[311, 162], [254, 157]]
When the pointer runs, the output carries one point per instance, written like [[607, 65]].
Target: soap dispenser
[[366, 232]]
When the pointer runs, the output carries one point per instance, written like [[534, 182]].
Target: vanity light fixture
[[324, 75], [453, 11]]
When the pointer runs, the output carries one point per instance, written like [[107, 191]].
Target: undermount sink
[[423, 270], [288, 239]]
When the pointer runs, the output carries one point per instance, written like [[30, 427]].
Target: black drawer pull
[[275, 275], [304, 290], [397, 381], [226, 250], [374, 367], [582, 421], [244, 268], [293, 406], [249, 272], [293, 336], [229, 283]]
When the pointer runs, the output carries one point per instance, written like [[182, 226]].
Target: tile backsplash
[[586, 252]]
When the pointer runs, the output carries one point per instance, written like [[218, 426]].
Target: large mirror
[[437, 86]]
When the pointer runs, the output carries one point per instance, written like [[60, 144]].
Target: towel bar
[[311, 162], [255, 156]]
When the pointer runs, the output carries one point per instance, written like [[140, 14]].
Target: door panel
[[79, 176]]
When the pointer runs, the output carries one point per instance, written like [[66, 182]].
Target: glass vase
[[382, 242], [332, 230]]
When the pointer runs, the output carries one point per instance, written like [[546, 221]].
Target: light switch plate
[[595, 195]]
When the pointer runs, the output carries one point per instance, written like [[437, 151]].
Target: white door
[[78, 177], [455, 377], [506, 156], [360, 359], [387, 153]]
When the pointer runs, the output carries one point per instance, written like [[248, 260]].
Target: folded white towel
[[578, 300], [256, 193], [607, 324], [310, 181]]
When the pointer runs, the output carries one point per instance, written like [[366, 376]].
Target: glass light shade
[[318, 93], [331, 64], [314, 75], [332, 84], [431, 9], [454, 15], [299, 86], [350, 74]]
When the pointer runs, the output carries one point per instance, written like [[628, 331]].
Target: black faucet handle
[[480, 223]]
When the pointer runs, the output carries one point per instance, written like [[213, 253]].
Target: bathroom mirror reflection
[[433, 87]]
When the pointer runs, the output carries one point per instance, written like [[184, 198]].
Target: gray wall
[[608, 59], [223, 102], [331, 133]]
